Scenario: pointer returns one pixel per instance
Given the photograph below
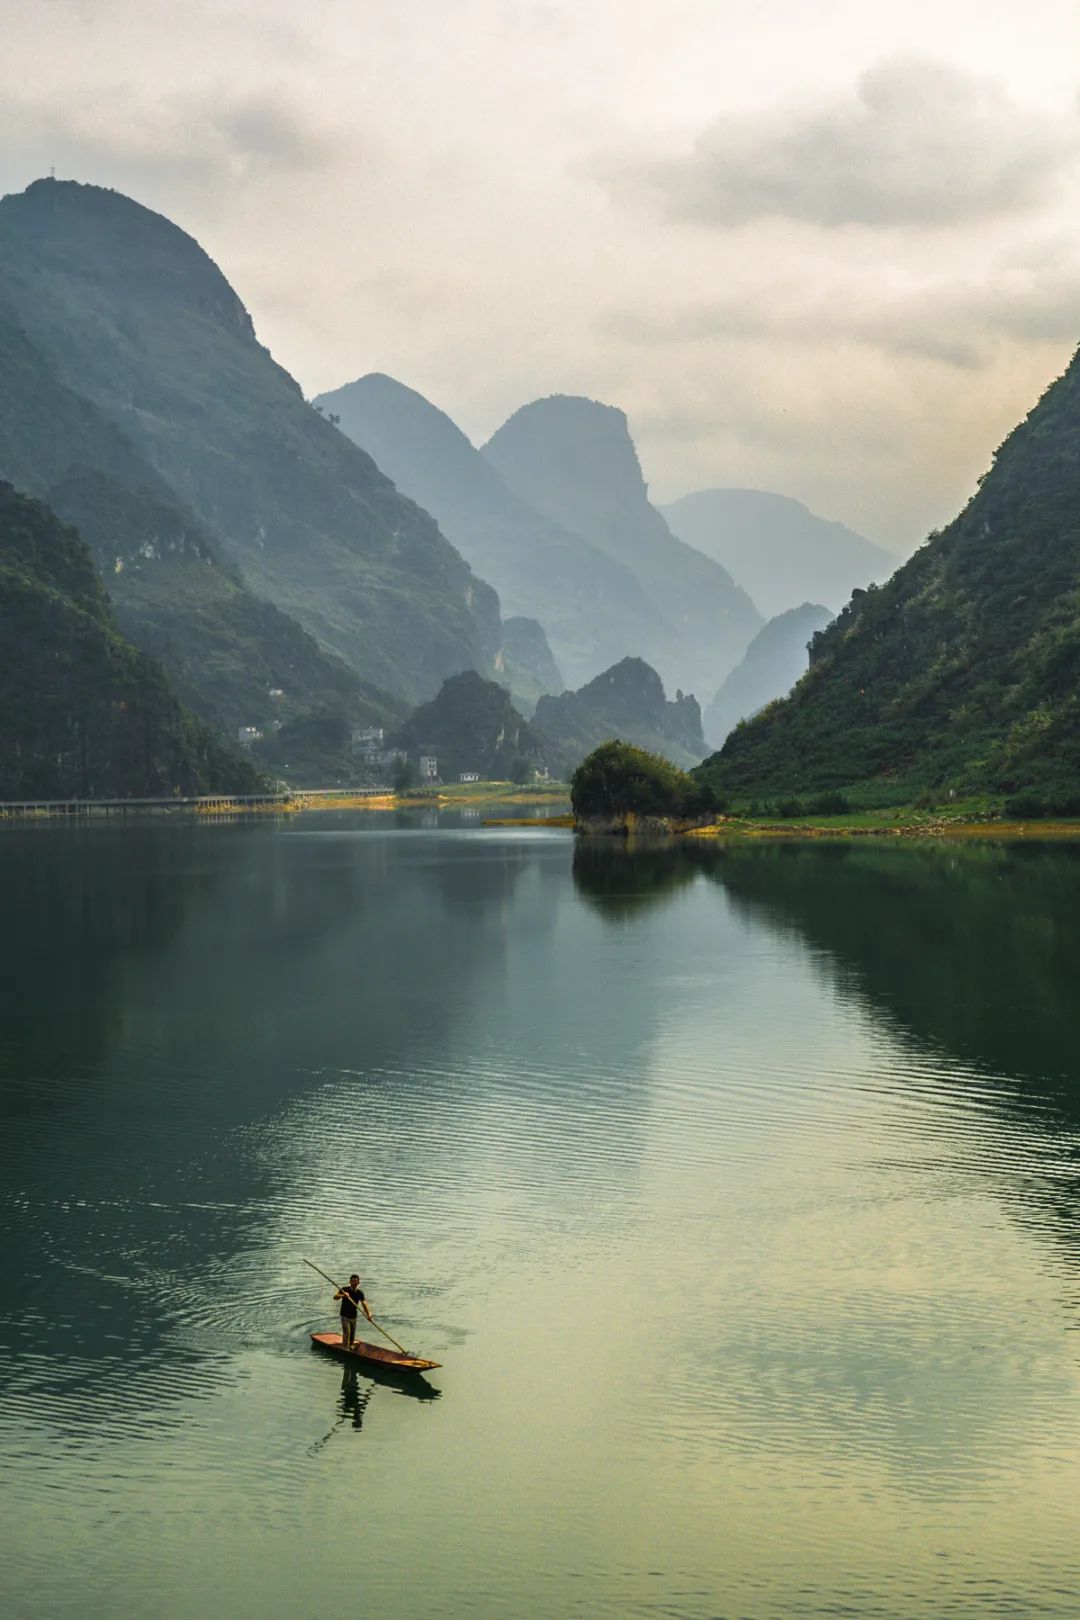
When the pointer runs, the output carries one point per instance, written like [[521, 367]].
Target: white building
[[429, 768]]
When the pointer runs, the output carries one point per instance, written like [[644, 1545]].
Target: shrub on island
[[617, 781]]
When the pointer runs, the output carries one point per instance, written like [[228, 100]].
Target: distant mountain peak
[[125, 239], [779, 550]]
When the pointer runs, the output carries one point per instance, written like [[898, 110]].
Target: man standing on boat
[[350, 1298]]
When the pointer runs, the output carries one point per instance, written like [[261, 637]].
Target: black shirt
[[350, 1298]]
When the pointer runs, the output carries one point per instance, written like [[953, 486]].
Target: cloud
[[917, 144], [119, 135], [956, 320]]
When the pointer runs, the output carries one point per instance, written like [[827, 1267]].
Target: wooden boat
[[374, 1355]]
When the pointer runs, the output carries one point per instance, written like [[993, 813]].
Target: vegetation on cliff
[[137, 319], [233, 658], [592, 607], [626, 701], [85, 715], [963, 671], [472, 725]]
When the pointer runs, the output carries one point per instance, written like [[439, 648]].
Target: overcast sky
[[831, 249]]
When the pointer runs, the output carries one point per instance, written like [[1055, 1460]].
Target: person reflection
[[354, 1399]]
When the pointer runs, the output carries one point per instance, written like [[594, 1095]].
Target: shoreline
[[960, 828]]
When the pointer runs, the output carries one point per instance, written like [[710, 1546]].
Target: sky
[[831, 250]]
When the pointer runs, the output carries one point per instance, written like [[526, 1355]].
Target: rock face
[[471, 725], [174, 595], [84, 714], [963, 671], [134, 316], [592, 607], [628, 702], [774, 661], [777, 549], [524, 663], [574, 460]]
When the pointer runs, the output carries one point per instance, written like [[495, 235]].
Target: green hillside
[[592, 607], [84, 713], [175, 596], [625, 701], [472, 725], [963, 671], [135, 317]]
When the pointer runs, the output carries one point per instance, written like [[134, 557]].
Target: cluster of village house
[[369, 742]]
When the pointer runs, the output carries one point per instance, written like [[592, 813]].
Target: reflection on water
[[736, 1191]]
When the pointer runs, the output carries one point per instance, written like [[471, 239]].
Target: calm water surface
[[737, 1193]]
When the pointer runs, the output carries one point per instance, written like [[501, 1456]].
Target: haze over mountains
[[288, 581], [172, 590], [963, 671], [574, 460], [133, 316], [562, 527], [779, 551], [590, 606], [773, 662]]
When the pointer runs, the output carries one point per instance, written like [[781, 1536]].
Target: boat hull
[[372, 1355]]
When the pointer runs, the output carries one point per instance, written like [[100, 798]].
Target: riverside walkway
[[284, 802]]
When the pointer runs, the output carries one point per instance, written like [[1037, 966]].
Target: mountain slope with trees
[[134, 316], [963, 671], [472, 725], [626, 701], [84, 714], [591, 605], [173, 593]]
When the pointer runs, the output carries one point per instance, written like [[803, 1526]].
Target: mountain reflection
[[619, 878]]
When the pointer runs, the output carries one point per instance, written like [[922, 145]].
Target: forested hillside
[[135, 317], [471, 725], [592, 606], [626, 701], [174, 594], [963, 671], [84, 714]]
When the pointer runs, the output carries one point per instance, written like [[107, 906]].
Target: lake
[[737, 1192]]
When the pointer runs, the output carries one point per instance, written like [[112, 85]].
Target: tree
[[404, 776], [520, 769], [617, 779]]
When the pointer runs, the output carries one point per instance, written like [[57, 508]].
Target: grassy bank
[[960, 822]]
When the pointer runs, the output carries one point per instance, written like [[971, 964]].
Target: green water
[[737, 1193]]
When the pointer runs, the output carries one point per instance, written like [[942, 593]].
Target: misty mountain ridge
[[592, 607], [173, 593], [783, 554], [963, 671], [573, 460], [777, 657], [627, 701], [135, 317]]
